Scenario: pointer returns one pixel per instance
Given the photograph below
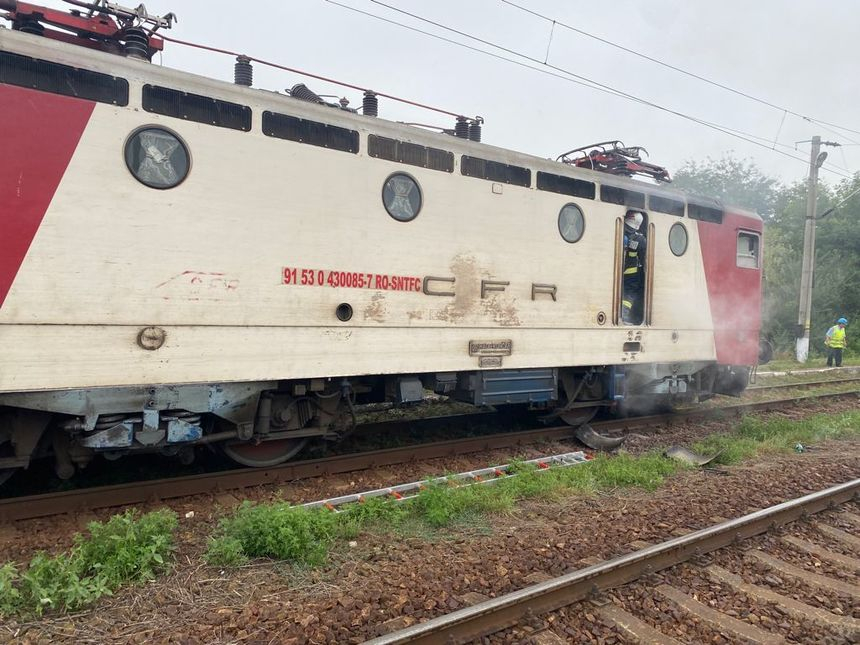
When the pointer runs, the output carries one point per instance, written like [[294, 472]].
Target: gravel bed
[[807, 561], [577, 623], [759, 574], [390, 581], [810, 533], [580, 623], [697, 583], [640, 600]]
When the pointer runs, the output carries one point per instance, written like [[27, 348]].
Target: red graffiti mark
[[39, 133], [196, 277], [190, 283]]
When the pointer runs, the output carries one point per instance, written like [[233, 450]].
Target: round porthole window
[[571, 223], [401, 197], [678, 239], [157, 158]]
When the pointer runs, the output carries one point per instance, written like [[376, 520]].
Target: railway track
[[522, 609], [33, 506], [801, 386]]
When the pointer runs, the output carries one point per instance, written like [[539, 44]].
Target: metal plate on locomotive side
[[491, 347]]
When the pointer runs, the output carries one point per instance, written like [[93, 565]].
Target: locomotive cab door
[[634, 280]]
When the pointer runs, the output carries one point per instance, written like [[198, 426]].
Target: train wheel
[[265, 453], [578, 416]]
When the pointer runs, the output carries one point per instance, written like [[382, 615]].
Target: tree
[[837, 261], [737, 182]]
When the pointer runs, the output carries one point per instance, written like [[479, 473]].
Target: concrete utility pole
[[804, 313]]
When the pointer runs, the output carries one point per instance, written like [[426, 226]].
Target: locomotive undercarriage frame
[[263, 423], [76, 425]]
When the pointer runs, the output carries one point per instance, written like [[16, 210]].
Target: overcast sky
[[797, 54]]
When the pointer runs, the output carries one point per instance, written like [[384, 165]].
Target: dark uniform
[[632, 298]]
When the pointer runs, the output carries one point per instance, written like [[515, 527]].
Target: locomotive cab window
[[749, 245]]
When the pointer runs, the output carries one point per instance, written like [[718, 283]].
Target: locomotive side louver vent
[[666, 205], [565, 185], [45, 76], [495, 171], [313, 133], [615, 195], [704, 213], [410, 153], [194, 107]]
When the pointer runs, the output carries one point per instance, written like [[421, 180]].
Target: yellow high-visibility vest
[[836, 337]]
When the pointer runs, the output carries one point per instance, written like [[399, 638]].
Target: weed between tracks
[[296, 534], [282, 531], [754, 436], [125, 549]]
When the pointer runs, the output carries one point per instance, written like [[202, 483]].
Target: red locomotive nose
[[43, 129]]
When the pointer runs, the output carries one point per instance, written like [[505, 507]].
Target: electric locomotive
[[187, 262]]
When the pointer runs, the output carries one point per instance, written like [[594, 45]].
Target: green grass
[[754, 436], [305, 537], [125, 549], [788, 364]]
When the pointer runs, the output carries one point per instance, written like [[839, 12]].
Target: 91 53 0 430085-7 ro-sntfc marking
[[430, 285]]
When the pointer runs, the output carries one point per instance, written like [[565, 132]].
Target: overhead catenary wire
[[657, 61], [267, 63], [568, 76]]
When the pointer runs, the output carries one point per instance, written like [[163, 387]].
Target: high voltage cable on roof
[[680, 70], [576, 78]]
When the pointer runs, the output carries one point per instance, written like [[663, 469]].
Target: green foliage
[[10, 597], [125, 549], [225, 551], [279, 531]]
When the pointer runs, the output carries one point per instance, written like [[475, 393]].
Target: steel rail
[[33, 506], [786, 386], [505, 611]]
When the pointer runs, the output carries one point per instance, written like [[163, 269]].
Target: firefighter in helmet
[[633, 292]]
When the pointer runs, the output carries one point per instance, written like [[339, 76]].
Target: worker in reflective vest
[[835, 341], [633, 292]]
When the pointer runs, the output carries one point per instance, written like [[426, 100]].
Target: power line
[[474, 49], [680, 70], [577, 78]]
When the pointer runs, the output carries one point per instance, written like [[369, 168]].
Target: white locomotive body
[[186, 261]]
